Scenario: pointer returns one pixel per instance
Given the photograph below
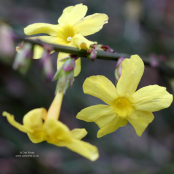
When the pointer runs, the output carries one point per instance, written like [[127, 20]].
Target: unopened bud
[[118, 69], [92, 54], [65, 75], [23, 58], [107, 49], [46, 65], [100, 47], [7, 48], [69, 65]]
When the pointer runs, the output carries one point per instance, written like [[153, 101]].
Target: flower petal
[[100, 87], [112, 126], [33, 120], [77, 69], [100, 114], [91, 24], [79, 133], [17, 125], [81, 42], [83, 148], [57, 132], [39, 28], [132, 71], [38, 52], [140, 120], [152, 98], [72, 14]]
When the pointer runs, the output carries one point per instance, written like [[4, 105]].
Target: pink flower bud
[[65, 75], [92, 54], [69, 65], [23, 58], [107, 48], [118, 69], [100, 47], [46, 65]]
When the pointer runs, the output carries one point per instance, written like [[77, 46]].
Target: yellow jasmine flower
[[71, 27], [41, 125], [124, 104]]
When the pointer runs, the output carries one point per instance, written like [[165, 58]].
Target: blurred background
[[142, 27]]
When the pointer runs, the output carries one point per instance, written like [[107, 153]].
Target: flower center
[[69, 39], [66, 33], [122, 107]]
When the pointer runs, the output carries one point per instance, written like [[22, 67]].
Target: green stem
[[100, 54]]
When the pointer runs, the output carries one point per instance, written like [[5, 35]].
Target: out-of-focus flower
[[118, 69], [23, 58], [7, 48], [41, 125], [123, 102], [70, 31], [155, 59], [133, 11]]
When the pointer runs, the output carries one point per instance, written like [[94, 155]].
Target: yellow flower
[[123, 102], [70, 31], [52, 130]]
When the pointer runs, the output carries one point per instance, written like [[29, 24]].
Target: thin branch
[[100, 55]]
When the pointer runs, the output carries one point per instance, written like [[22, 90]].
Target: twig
[[100, 54]]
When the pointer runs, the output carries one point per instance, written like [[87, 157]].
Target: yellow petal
[[61, 55], [140, 120], [33, 120], [85, 149], [100, 87], [77, 69], [38, 52], [112, 126], [132, 71], [72, 14], [17, 125], [91, 24], [152, 98], [57, 132], [100, 114], [79, 133], [39, 28], [81, 42]]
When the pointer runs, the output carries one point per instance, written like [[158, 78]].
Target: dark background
[[135, 27]]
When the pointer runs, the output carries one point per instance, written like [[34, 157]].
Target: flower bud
[[118, 69], [69, 65], [46, 65], [65, 75], [23, 58], [107, 49], [100, 47], [92, 54]]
